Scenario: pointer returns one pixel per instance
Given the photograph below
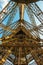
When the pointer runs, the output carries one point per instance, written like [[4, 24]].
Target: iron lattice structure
[[21, 42]]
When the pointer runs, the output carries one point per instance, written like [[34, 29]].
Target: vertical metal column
[[19, 56], [21, 11], [25, 56]]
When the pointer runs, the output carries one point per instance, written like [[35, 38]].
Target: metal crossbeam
[[6, 28], [36, 55], [7, 10], [37, 11], [6, 55]]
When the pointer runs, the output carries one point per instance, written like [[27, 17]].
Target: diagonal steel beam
[[7, 10], [37, 11], [6, 28], [36, 54]]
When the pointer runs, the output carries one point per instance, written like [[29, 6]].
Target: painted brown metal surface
[[21, 42], [22, 46], [25, 1]]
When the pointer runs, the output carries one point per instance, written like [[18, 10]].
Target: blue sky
[[3, 3]]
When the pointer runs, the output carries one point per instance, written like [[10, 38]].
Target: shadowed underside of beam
[[25, 1]]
